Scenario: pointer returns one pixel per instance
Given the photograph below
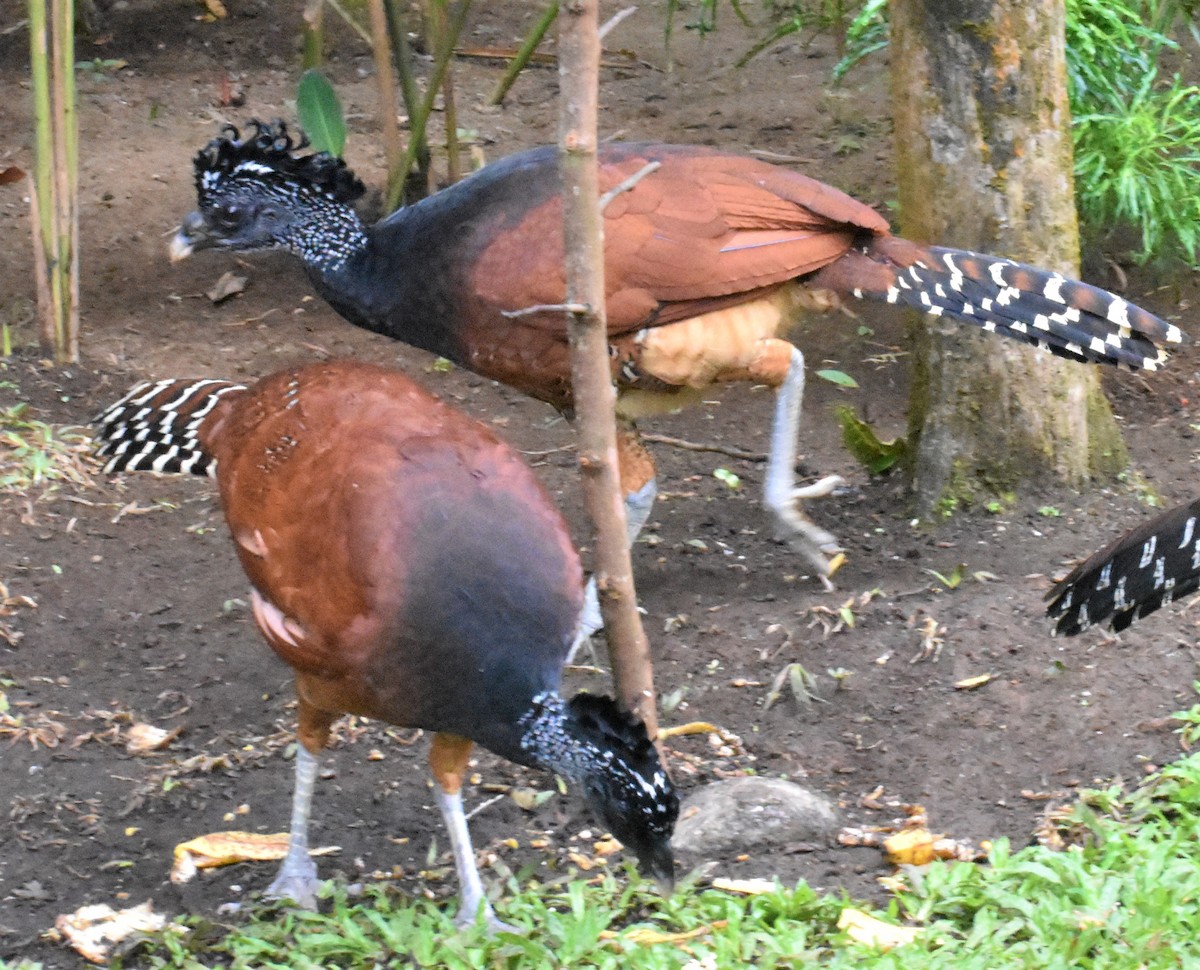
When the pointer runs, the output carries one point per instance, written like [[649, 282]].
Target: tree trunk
[[984, 154]]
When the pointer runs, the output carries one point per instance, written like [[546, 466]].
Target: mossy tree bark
[[984, 154]]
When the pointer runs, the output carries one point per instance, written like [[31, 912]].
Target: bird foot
[[590, 622], [819, 547], [818, 489], [297, 880], [468, 917]]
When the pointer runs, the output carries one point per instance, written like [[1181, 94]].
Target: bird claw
[[818, 489], [824, 562], [467, 918], [296, 881], [819, 547], [590, 622]]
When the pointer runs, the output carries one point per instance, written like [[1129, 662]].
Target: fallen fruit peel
[[226, 848]]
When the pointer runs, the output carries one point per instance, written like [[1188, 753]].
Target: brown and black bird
[[1137, 573], [710, 257], [409, 567]]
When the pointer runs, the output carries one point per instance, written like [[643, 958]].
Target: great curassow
[[709, 258], [409, 567], [1148, 567]]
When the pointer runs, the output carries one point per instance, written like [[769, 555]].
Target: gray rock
[[742, 814]]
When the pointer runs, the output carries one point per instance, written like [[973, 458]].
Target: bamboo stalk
[[408, 83], [402, 53], [55, 183], [41, 273], [42, 191], [67, 166], [591, 376], [419, 120], [524, 53], [350, 21], [418, 180], [385, 83], [314, 34], [437, 9]]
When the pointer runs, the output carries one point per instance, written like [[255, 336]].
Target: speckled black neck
[[329, 236], [547, 738], [590, 741]]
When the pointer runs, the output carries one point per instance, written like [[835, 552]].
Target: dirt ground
[[141, 610]]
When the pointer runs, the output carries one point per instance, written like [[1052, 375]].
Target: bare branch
[[614, 20], [574, 308], [628, 183], [591, 373], [664, 439]]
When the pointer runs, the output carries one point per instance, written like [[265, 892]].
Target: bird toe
[[467, 918], [297, 883]]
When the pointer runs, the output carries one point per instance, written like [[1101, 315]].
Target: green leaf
[[728, 477], [862, 442], [954, 580], [840, 378], [320, 113]]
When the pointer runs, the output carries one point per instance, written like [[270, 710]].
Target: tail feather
[[1061, 330], [1133, 575], [1040, 307], [156, 427]]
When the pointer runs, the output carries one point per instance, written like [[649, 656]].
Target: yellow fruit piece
[[970, 683], [866, 929], [692, 727], [746, 887], [912, 847], [226, 848]]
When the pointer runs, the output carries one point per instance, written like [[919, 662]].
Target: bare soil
[[140, 605]]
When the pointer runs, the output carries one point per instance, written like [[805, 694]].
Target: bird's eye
[[228, 216]]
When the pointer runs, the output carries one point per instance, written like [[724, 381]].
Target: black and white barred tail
[[156, 427], [1133, 575], [1035, 306]]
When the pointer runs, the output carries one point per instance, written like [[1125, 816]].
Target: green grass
[[35, 453], [1137, 162], [1119, 890], [1136, 132]]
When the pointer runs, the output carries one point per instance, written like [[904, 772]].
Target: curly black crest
[[606, 722], [272, 147]]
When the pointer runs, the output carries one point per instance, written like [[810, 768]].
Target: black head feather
[[632, 792], [610, 727], [272, 152]]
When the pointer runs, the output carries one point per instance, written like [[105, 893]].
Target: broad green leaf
[[862, 442], [320, 113], [840, 378]]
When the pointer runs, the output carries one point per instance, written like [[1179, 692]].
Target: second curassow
[[409, 567], [709, 259], [1134, 575]]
